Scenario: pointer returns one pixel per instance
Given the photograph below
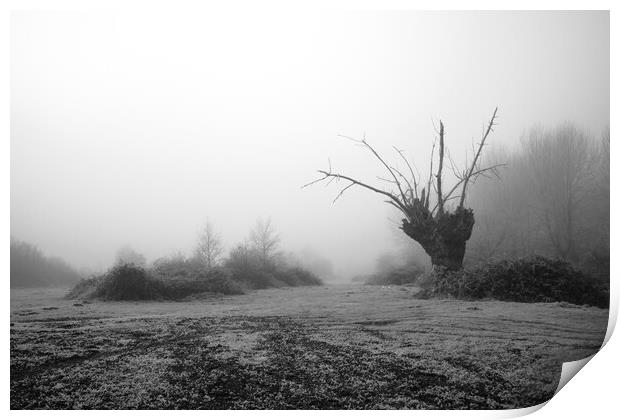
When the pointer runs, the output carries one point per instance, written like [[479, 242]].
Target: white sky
[[133, 128]]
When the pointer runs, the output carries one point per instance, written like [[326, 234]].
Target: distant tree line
[[552, 200], [31, 268]]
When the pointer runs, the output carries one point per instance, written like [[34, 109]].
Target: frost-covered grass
[[318, 347]]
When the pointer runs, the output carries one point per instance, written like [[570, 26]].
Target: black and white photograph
[[305, 208]]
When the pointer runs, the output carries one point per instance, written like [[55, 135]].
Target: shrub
[[531, 279], [304, 277], [177, 278], [219, 281], [128, 282], [122, 282], [207, 281], [85, 288]]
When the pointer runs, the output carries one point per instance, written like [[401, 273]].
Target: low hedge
[[530, 279], [131, 282]]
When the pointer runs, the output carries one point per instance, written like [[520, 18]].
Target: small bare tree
[[442, 232], [209, 248], [265, 241]]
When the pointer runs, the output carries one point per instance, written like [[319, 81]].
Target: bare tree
[[209, 248], [561, 170], [553, 200], [442, 232], [265, 241]]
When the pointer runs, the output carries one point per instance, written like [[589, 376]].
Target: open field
[[310, 347]]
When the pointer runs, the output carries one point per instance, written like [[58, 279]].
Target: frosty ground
[[335, 346]]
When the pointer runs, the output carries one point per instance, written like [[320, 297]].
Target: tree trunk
[[443, 237]]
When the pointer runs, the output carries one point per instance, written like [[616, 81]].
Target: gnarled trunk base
[[443, 237]]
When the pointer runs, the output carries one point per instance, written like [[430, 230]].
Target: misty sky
[[133, 128]]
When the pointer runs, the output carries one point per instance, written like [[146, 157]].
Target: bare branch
[[415, 182], [475, 161], [492, 168], [430, 178], [331, 176], [374, 152], [316, 181], [342, 191], [410, 188], [394, 204], [391, 181], [440, 169], [453, 166]]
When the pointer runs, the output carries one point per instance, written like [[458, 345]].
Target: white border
[[592, 394]]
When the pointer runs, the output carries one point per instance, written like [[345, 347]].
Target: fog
[[135, 128]]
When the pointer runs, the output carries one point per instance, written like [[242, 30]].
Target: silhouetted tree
[[209, 248], [553, 200], [560, 168], [442, 232], [265, 241]]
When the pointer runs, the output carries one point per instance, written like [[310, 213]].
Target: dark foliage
[[206, 281], [531, 279], [122, 282], [130, 282], [31, 268]]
